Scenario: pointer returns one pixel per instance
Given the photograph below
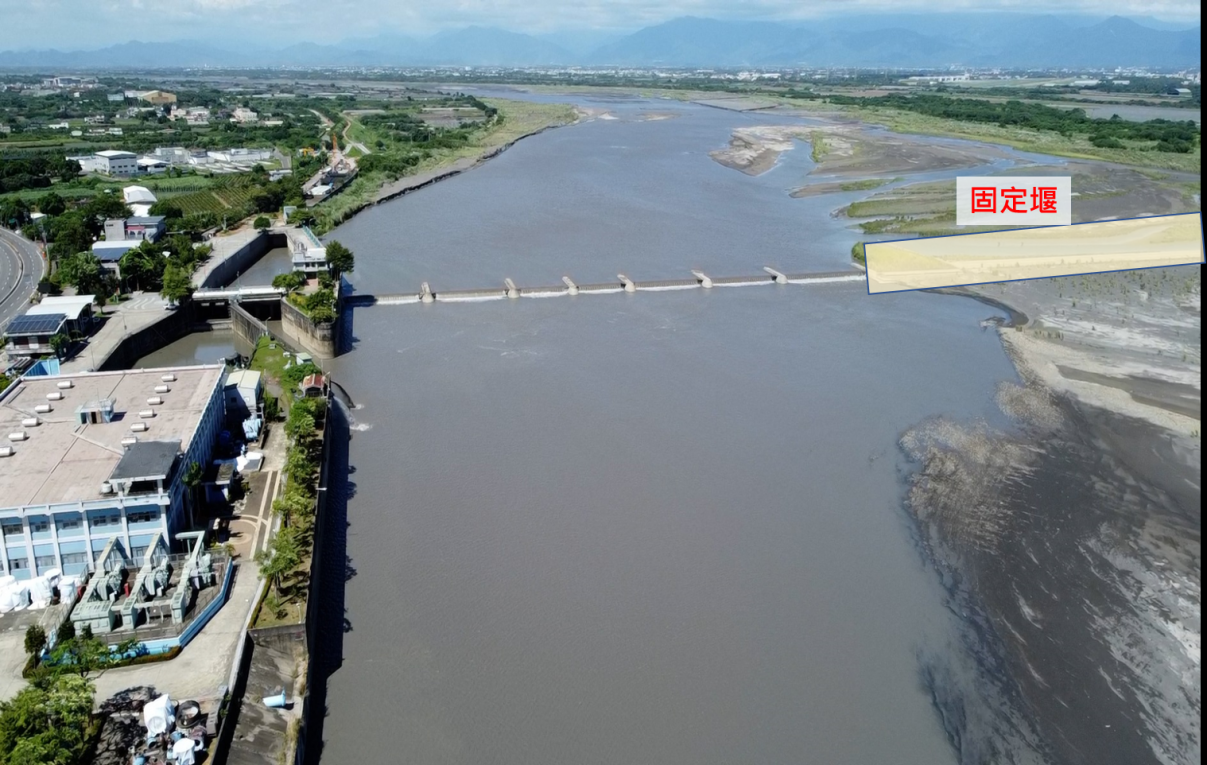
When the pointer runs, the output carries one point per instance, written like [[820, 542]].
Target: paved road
[[20, 270]]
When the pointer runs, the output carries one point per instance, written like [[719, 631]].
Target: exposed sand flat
[[737, 104], [848, 151]]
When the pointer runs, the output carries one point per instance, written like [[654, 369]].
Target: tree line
[[1168, 135]]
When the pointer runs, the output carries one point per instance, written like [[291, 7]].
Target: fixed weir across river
[[623, 284]]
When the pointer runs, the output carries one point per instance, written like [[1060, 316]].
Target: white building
[[106, 458], [139, 198], [116, 162], [244, 116], [242, 392]]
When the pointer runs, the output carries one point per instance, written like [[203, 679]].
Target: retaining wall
[[318, 339], [242, 259]]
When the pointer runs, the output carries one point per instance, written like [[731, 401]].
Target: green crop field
[[215, 200]]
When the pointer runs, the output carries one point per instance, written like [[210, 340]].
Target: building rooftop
[[70, 306], [38, 324], [138, 194], [243, 378], [147, 460], [148, 220], [115, 154], [64, 461]]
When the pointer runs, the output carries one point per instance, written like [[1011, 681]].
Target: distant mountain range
[[880, 40]]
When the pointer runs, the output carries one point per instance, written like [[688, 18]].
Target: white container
[[30, 422], [162, 388], [55, 396], [168, 377], [7, 451], [140, 427], [129, 440], [155, 401], [147, 413], [19, 435], [64, 384], [43, 408]]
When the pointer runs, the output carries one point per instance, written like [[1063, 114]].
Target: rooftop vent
[[64, 384], [95, 412], [155, 401], [168, 377], [7, 451], [55, 396], [146, 413], [18, 435], [162, 388], [140, 427], [30, 422], [129, 441], [43, 408]]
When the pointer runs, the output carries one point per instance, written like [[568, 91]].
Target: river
[[661, 527]]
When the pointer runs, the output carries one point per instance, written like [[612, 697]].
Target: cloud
[[72, 23]]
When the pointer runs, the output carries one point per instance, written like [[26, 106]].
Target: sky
[[82, 24]]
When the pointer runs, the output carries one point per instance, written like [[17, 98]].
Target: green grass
[[1037, 141], [520, 118], [866, 183], [820, 148], [268, 360]]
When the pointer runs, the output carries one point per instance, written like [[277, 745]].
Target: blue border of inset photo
[[868, 275]]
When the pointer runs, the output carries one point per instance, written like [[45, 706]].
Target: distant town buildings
[[140, 228], [116, 162], [157, 97], [244, 116], [193, 115]]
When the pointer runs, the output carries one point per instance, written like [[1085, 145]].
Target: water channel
[[638, 528]]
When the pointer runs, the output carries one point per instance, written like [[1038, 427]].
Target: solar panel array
[[40, 324]]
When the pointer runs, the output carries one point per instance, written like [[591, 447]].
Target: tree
[[294, 503], [261, 222], [52, 204], [339, 258], [35, 639], [300, 424], [176, 284], [106, 205], [290, 282], [283, 555], [83, 271], [14, 212], [59, 343], [168, 209], [192, 481], [46, 723]]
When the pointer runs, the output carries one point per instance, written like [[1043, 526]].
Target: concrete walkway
[[204, 664], [224, 246], [140, 311]]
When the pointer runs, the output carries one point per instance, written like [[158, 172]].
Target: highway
[[20, 270]]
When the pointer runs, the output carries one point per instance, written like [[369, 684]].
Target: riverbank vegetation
[[285, 564], [444, 139]]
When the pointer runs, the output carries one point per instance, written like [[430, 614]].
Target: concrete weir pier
[[623, 285]]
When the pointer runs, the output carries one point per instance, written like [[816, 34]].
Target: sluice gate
[[623, 284]]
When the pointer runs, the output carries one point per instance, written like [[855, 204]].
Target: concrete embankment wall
[[242, 259], [246, 326], [318, 339], [173, 326]]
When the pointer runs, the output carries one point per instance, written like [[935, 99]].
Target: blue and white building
[[91, 456]]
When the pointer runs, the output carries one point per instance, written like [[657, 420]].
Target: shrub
[[35, 639]]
